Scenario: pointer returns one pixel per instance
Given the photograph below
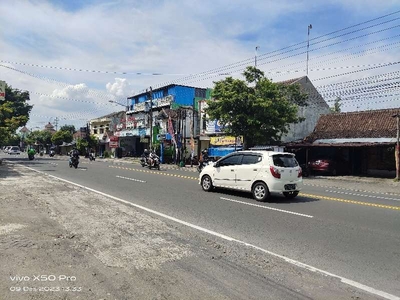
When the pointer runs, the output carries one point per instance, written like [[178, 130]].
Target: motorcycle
[[203, 164], [31, 156], [74, 162], [92, 157], [143, 161], [52, 153], [155, 164]]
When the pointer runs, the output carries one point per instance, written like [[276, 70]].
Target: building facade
[[170, 115]]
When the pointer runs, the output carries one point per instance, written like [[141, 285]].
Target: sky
[[74, 57]]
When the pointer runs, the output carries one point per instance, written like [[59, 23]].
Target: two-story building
[[103, 129]]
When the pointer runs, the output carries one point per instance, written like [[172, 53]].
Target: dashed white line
[[132, 179], [362, 195], [267, 207]]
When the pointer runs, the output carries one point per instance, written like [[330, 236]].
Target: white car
[[6, 149], [258, 172], [14, 150]]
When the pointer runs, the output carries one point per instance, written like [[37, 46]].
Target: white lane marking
[[228, 238], [354, 190], [267, 207], [131, 179], [362, 195]]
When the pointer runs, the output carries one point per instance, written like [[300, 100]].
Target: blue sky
[[51, 40]]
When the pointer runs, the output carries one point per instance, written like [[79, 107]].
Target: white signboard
[[2, 90], [161, 102]]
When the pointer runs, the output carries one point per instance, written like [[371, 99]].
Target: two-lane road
[[349, 233]]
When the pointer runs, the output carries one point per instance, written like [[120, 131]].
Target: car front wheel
[[206, 183], [260, 192], [290, 195]]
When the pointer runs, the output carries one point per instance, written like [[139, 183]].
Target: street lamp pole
[[397, 151], [308, 44]]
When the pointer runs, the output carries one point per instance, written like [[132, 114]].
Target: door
[[247, 171], [225, 172]]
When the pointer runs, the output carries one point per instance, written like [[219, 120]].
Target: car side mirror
[[216, 165]]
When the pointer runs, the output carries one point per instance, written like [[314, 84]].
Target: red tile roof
[[363, 124]]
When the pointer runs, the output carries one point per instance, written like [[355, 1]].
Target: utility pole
[[308, 45], [255, 65], [397, 151], [151, 118], [56, 122]]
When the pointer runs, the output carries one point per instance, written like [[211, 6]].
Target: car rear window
[[284, 160], [14, 148]]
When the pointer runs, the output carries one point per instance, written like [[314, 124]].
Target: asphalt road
[[355, 235]]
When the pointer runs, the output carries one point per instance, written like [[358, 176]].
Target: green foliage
[[61, 136], [260, 113], [14, 112], [82, 145], [336, 108], [106, 154], [69, 128], [38, 137]]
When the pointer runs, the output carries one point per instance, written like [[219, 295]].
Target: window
[[230, 161], [101, 130], [284, 160], [94, 131], [251, 159], [200, 93]]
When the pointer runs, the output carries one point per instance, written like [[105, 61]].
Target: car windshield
[[284, 160], [14, 148]]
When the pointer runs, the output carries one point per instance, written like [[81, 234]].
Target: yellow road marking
[[350, 201], [156, 172], [301, 194]]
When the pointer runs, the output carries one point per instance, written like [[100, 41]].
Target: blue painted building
[[176, 102]]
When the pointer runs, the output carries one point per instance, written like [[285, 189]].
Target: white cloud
[[167, 37]]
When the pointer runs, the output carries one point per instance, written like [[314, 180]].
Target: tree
[[70, 128], [260, 113], [61, 136], [14, 112], [336, 108], [87, 143], [39, 137]]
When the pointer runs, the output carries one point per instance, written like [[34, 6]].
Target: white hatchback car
[[14, 150], [258, 172]]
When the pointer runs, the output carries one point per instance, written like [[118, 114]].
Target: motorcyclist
[[31, 152], [204, 158], [74, 153], [152, 156]]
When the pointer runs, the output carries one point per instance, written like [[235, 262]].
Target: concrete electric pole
[[397, 151]]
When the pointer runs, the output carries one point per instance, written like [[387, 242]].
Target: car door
[[247, 171], [225, 171]]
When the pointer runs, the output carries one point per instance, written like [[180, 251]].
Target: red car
[[322, 166]]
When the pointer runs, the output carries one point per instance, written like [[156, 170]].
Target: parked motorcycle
[[31, 156], [52, 153], [74, 162]]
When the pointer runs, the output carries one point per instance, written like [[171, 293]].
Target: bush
[[106, 154]]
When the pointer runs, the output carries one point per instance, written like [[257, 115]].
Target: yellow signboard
[[226, 140]]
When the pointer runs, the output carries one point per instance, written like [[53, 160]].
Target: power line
[[245, 62]]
